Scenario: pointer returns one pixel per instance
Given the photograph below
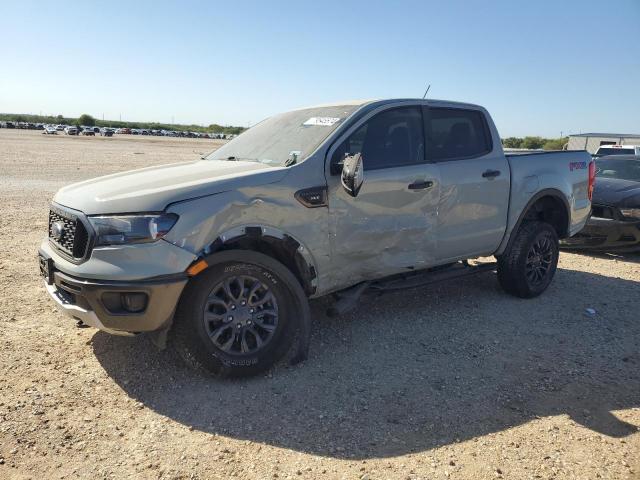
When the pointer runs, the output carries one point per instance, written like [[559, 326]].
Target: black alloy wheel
[[539, 260], [240, 315]]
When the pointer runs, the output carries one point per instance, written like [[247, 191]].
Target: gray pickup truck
[[219, 256]]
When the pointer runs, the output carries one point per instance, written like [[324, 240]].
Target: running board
[[348, 299]]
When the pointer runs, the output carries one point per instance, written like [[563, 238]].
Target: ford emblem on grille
[[57, 229]]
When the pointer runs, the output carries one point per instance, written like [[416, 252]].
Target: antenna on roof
[[426, 91]]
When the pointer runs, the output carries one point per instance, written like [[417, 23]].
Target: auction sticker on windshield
[[322, 121]]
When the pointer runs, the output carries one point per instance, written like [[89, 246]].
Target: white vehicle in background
[[617, 150], [71, 130], [50, 130]]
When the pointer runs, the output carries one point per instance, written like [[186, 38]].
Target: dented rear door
[[475, 182]]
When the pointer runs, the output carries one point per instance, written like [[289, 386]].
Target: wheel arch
[[549, 205], [273, 242]]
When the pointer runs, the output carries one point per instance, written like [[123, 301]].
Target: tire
[[534, 249], [204, 344]]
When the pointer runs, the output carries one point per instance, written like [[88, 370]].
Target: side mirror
[[352, 174]]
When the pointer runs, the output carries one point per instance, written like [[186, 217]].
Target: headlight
[[121, 229], [633, 213]]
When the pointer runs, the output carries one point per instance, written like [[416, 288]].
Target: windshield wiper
[[233, 158]]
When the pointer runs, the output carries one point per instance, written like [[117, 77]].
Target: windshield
[[622, 169], [615, 151], [286, 138]]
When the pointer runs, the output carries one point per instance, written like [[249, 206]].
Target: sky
[[540, 67]]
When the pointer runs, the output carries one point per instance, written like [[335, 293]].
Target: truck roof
[[624, 146], [380, 102]]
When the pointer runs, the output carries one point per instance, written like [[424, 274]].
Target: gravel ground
[[454, 381]]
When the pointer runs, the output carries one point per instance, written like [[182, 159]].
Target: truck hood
[[616, 193], [152, 189]]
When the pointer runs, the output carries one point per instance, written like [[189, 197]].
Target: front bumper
[[606, 234], [97, 302]]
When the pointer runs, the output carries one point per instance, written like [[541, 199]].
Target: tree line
[[89, 121], [535, 143]]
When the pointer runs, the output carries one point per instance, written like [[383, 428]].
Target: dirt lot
[[455, 381]]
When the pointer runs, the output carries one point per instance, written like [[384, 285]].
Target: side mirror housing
[[352, 174]]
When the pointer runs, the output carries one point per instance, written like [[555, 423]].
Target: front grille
[[68, 233]]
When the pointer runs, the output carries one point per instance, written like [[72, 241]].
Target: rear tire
[[528, 267], [237, 318]]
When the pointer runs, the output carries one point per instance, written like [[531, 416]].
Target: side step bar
[[348, 299]]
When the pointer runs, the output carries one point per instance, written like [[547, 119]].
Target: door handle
[[420, 185], [491, 173]]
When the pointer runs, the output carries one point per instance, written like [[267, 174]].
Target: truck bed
[[533, 173]]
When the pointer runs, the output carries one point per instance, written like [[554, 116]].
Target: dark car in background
[[615, 219]]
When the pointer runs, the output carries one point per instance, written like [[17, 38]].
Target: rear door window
[[454, 133]]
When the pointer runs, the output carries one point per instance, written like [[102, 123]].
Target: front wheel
[[527, 268], [238, 317]]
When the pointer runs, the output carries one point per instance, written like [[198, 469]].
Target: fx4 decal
[[577, 166]]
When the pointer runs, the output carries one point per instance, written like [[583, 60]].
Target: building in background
[[592, 141]]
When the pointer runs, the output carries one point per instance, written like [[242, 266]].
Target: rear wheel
[[528, 267], [238, 317]]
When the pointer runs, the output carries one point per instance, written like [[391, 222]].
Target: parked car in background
[[88, 131], [617, 150], [615, 219], [106, 132], [60, 128], [332, 199], [50, 130], [70, 130]]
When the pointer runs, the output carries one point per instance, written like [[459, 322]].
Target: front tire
[[528, 267], [237, 318]]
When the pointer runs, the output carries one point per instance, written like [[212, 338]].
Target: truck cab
[[221, 255]]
